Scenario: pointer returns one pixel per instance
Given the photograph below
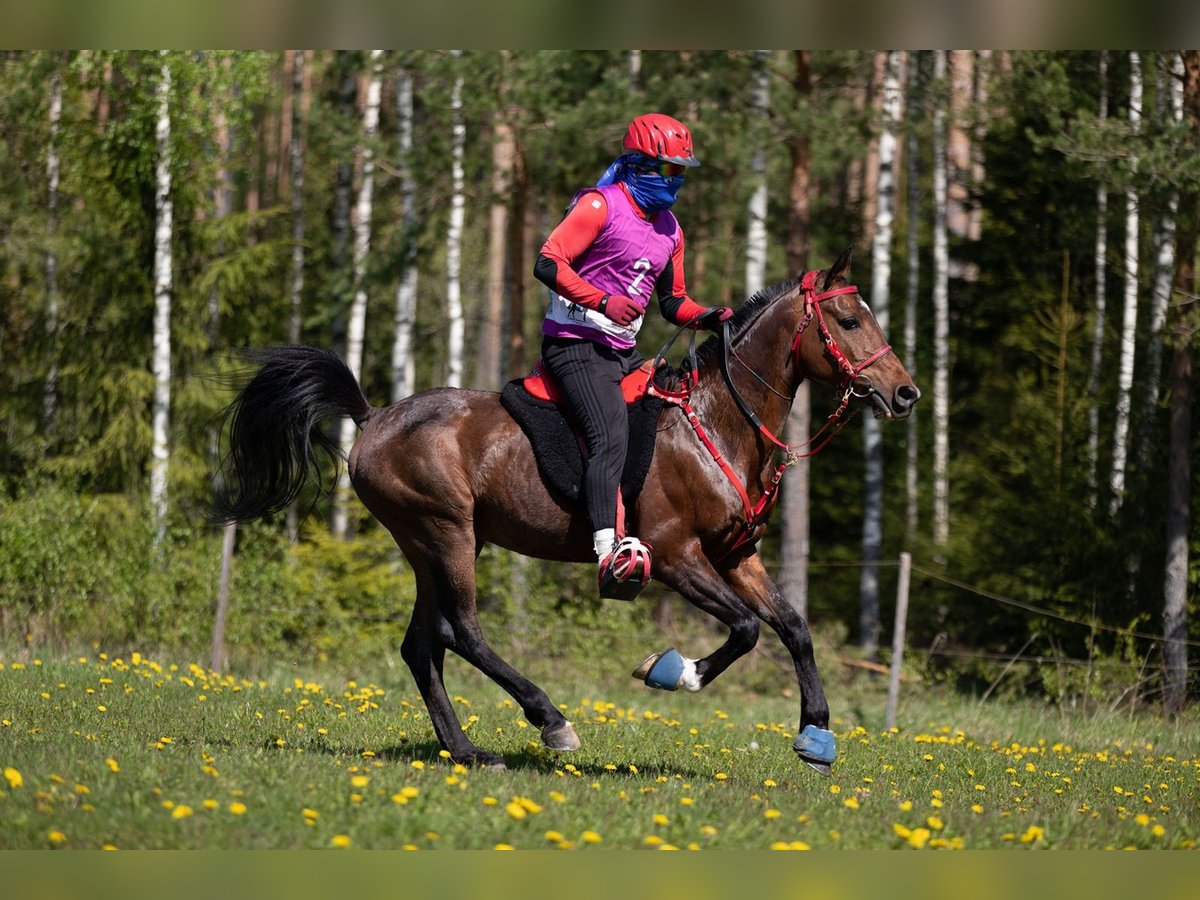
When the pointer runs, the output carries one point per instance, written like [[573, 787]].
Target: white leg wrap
[[689, 679], [603, 540]]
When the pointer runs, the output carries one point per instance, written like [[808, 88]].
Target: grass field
[[128, 752]]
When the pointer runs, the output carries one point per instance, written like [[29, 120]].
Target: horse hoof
[[816, 747], [561, 737], [487, 761], [661, 670]]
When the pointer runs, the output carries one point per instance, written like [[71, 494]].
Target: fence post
[[898, 638], [218, 642]]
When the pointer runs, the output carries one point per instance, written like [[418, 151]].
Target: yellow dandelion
[[503, 847], [340, 840], [850, 803], [590, 837], [211, 804], [417, 764], [359, 781], [769, 783], [554, 837], [686, 801], [976, 808], [528, 805], [935, 823], [516, 810], [1142, 819], [918, 838], [835, 789], [772, 814], [720, 776], [1032, 834], [799, 845], [652, 840], [490, 801], [708, 830], [237, 808], [558, 797], [56, 837], [1158, 831], [781, 845], [182, 811], [660, 819], [309, 813], [13, 777], [906, 806], [113, 765]]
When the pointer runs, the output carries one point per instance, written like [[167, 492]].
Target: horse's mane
[[744, 316]]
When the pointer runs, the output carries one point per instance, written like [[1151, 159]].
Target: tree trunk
[[297, 145], [794, 550], [346, 91], [756, 210], [1093, 386], [959, 159], [941, 318], [50, 386], [520, 224], [454, 309], [912, 295], [870, 170], [1168, 111], [356, 324], [403, 364], [162, 305], [1129, 320], [503, 148], [881, 271], [1179, 473]]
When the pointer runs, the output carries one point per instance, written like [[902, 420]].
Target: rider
[[616, 246]]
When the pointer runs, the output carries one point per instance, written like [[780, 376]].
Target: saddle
[[533, 402]]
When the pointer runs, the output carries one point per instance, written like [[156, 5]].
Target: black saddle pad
[[558, 454]]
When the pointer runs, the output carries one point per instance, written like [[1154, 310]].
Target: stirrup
[[625, 571]]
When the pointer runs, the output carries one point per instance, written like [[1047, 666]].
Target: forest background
[[1024, 226]]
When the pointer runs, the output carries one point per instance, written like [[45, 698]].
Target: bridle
[[854, 385]]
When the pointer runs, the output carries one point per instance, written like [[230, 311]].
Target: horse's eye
[[849, 323]]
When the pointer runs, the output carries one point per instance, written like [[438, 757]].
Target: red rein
[[757, 513]]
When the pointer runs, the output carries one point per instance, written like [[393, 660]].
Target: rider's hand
[[712, 318], [620, 309]]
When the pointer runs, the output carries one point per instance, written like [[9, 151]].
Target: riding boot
[[625, 571]]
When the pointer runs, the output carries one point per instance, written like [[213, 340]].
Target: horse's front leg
[[689, 573], [749, 579]]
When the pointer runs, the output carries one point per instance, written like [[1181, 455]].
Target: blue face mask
[[652, 192]]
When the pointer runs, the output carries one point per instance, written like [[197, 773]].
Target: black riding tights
[[590, 376]]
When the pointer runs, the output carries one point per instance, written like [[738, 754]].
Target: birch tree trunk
[[50, 387], [403, 364], [1168, 110], [1129, 319], [941, 317], [356, 324], [296, 147], [1093, 386], [881, 272], [795, 543], [756, 210], [454, 309], [161, 357], [1179, 471], [347, 90], [911, 434]]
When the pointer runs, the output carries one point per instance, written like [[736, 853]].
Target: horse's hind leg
[[453, 576], [424, 649]]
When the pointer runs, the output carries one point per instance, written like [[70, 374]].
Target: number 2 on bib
[[643, 265]]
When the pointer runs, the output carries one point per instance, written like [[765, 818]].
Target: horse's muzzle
[[904, 398]]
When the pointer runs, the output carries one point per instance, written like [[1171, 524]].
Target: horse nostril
[[906, 395]]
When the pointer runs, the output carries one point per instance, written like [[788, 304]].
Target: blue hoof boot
[[817, 747], [664, 672]]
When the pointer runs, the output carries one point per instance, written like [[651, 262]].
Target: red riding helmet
[[661, 137]]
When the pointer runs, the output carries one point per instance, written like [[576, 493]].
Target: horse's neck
[[766, 350]]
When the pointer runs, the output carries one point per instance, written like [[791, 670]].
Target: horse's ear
[[839, 268]]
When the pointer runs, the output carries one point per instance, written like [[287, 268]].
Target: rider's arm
[[574, 234], [677, 307]]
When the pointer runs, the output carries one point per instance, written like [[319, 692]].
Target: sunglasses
[[665, 169]]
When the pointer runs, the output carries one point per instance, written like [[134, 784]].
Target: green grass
[[135, 753]]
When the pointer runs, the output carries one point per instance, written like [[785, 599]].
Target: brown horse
[[447, 470]]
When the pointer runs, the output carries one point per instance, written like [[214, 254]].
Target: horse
[[448, 470]]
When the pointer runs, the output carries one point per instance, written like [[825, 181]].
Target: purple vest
[[626, 258]]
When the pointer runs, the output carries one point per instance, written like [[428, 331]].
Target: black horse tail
[[274, 429]]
